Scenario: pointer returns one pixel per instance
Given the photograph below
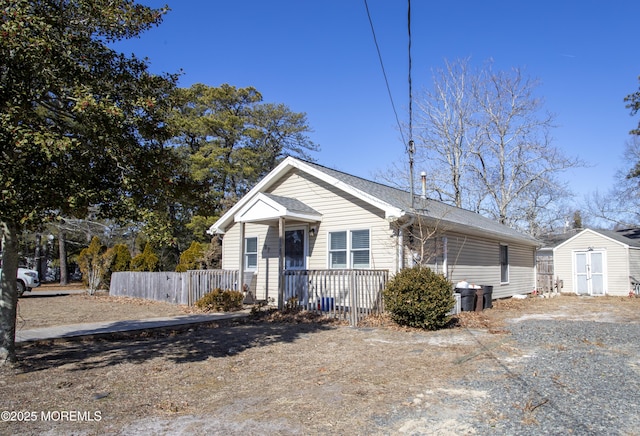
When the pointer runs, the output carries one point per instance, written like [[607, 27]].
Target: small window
[[504, 264], [338, 250], [360, 249], [251, 254]]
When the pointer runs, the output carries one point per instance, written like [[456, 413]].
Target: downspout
[[281, 263], [445, 257], [240, 285]]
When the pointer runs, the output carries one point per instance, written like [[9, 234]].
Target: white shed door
[[589, 272]]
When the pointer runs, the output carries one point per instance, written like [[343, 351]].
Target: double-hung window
[[349, 249], [251, 254]]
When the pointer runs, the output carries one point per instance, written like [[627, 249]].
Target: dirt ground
[[255, 376]]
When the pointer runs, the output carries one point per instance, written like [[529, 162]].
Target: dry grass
[[277, 374]]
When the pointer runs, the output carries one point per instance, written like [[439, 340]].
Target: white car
[[27, 280]]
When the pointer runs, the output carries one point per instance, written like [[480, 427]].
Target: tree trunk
[[8, 293], [62, 243], [38, 256]]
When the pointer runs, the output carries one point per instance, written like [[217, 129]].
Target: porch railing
[[349, 294]]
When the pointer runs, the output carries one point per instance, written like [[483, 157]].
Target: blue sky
[[319, 57]]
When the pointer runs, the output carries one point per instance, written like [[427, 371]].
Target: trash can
[[467, 299], [488, 296]]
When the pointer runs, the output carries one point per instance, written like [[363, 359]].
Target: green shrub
[[93, 262], [221, 301], [418, 297], [145, 261], [192, 257], [120, 258]]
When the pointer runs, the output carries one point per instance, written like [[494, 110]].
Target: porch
[[348, 294]]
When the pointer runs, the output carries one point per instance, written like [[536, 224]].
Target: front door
[[295, 258], [590, 279], [295, 254]]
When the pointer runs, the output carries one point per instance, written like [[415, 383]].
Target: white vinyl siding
[[478, 261]]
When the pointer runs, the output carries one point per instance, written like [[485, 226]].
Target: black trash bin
[[467, 299], [488, 296]]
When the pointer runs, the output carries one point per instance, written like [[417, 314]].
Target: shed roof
[[629, 237]]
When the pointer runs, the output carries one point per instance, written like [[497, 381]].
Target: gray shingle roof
[[427, 207], [631, 237], [291, 204]]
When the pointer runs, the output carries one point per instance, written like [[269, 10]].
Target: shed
[[596, 262]]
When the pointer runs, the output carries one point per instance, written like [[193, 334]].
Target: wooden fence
[[346, 294], [544, 276], [172, 287]]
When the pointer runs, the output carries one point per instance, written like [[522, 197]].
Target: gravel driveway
[[554, 377]]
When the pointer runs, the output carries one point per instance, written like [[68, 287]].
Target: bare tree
[[485, 139], [620, 206], [447, 132]]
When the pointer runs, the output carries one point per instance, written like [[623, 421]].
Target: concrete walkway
[[101, 328]]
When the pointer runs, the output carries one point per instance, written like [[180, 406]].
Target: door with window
[[589, 268], [295, 253], [295, 258]]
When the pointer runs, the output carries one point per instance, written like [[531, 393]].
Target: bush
[[221, 301], [418, 297], [145, 261], [94, 262], [120, 258], [192, 258]]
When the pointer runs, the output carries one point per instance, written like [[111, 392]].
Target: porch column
[[241, 260], [281, 263]]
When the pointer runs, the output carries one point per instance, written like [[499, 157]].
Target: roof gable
[[620, 237], [266, 207]]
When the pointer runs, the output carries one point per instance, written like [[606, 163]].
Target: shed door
[[590, 272]]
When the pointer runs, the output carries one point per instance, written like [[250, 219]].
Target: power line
[[384, 73], [409, 145], [411, 148]]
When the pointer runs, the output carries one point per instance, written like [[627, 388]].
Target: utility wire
[[384, 73], [411, 148]]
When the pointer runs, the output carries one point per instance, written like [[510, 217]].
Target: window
[[504, 264], [360, 249], [349, 249], [338, 250], [251, 254]]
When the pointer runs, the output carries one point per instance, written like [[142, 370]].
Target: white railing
[[348, 294]]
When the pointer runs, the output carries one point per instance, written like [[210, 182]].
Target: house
[[595, 262], [303, 216]]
